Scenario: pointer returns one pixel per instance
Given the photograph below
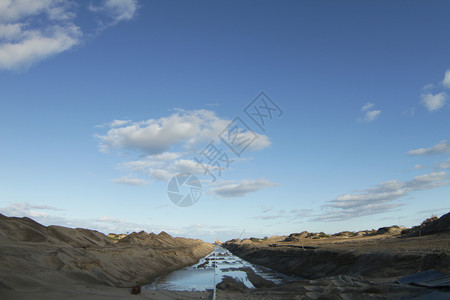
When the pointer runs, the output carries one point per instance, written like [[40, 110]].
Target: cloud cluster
[[171, 145], [165, 165], [370, 114], [435, 101], [116, 10], [156, 136], [441, 147], [446, 81], [33, 30], [130, 180], [21, 44], [285, 215], [27, 209], [240, 189], [445, 164], [379, 198]]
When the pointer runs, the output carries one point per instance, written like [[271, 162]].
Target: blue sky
[[103, 102]]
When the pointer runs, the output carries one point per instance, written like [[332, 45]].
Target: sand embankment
[[383, 253], [326, 261], [351, 266], [39, 262]]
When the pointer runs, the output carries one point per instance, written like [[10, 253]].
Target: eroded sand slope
[[38, 261]]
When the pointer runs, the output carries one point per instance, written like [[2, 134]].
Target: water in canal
[[210, 271]]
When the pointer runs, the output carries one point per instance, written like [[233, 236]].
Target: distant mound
[[430, 226], [27, 230], [22, 229], [395, 229], [163, 240], [137, 238]]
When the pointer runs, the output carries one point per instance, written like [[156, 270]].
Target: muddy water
[[210, 270]]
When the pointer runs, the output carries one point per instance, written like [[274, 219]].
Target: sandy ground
[[39, 262], [348, 268]]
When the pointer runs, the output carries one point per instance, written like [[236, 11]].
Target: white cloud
[[109, 219], [13, 10], [191, 166], [166, 156], [441, 147], [166, 165], [130, 180], [10, 31], [380, 198], [291, 215], [117, 123], [139, 165], [156, 136], [428, 87], [32, 210], [116, 10], [370, 114], [243, 188], [434, 102], [161, 174], [22, 46], [121, 9], [33, 30], [445, 164], [193, 131], [446, 81], [367, 106]]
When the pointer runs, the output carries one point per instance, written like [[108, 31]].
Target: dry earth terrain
[[39, 262], [352, 265]]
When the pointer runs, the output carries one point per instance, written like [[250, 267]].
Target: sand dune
[[37, 262]]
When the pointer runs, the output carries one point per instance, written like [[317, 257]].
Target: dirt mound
[[300, 235], [33, 257], [161, 241], [137, 238], [291, 239], [390, 230], [345, 234], [431, 226], [22, 229], [27, 230], [295, 237], [79, 237], [276, 238]]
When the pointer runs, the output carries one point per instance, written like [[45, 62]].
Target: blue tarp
[[429, 278]]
